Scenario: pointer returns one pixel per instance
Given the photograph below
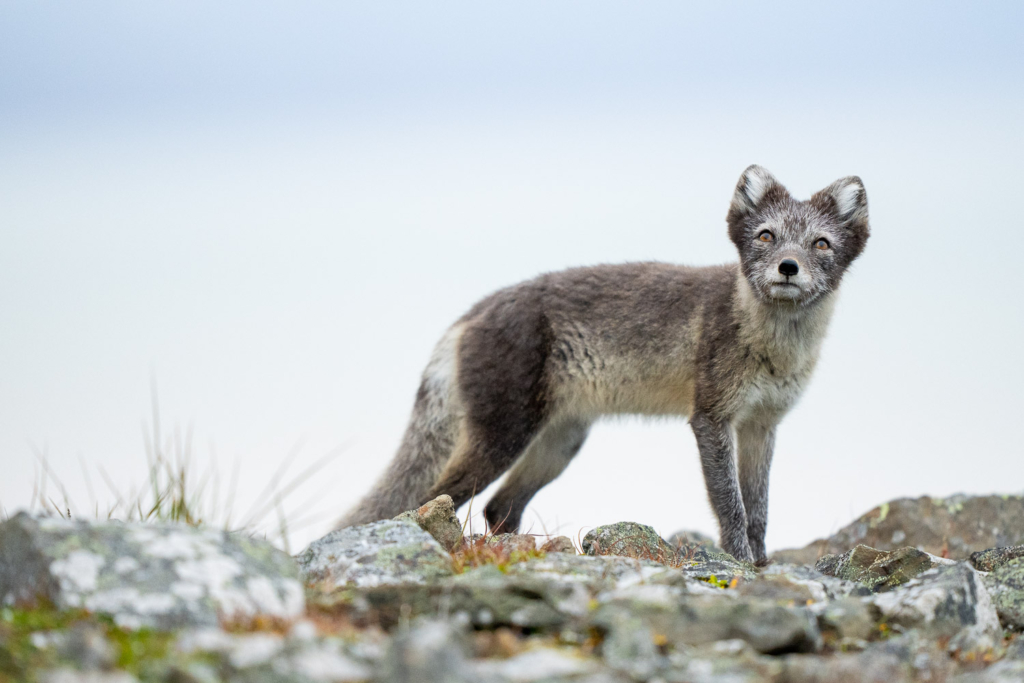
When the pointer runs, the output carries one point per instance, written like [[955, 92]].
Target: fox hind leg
[[545, 458]]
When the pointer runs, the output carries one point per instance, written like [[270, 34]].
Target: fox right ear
[[755, 188]]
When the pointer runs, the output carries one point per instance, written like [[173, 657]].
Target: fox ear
[[755, 187], [847, 202]]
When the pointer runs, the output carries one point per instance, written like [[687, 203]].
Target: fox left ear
[[847, 202]]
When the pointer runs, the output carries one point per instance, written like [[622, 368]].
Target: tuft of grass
[[177, 489], [490, 550]]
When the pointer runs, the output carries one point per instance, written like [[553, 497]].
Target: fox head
[[793, 252]]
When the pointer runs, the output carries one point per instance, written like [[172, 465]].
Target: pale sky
[[276, 210]]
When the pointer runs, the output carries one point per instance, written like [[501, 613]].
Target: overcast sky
[[276, 209]]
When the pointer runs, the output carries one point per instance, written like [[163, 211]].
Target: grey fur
[[518, 380]]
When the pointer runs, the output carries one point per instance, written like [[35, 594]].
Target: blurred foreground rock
[[411, 600], [156, 575]]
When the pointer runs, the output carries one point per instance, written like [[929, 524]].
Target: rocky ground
[[914, 590]]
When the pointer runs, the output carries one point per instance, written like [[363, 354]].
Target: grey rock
[[1006, 586], [1000, 672], [703, 564], [822, 587], [382, 553], [944, 602], [845, 668], [559, 544], [846, 621], [66, 675], [628, 539], [438, 519], [544, 664], [767, 627], [686, 537], [993, 558], [951, 527], [430, 652], [878, 570], [162, 576]]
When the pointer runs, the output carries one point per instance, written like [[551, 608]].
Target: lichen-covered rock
[[1006, 586], [559, 544], [951, 527], [628, 539], [156, 575], [944, 602], [878, 570], [513, 543], [438, 519], [380, 553], [702, 563], [993, 558]]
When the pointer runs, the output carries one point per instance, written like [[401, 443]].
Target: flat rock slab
[[161, 576], [993, 558], [383, 553]]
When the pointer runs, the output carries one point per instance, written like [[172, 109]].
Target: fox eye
[[766, 236], [821, 244]]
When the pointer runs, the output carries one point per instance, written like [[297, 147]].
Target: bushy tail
[[426, 446]]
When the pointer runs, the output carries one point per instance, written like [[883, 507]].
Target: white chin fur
[[785, 292]]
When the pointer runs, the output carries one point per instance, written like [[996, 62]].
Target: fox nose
[[789, 267]]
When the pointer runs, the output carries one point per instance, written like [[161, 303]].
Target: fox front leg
[[714, 441], [755, 444]]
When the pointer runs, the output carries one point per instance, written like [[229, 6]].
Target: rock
[[628, 539], [66, 675], [1000, 672], [430, 652], [703, 564], [944, 602], [381, 553], [951, 527], [161, 576], [845, 668], [686, 537], [543, 664], [513, 543], [846, 622], [822, 587], [438, 519], [993, 558], [1006, 586], [559, 544], [779, 589], [878, 570], [767, 627]]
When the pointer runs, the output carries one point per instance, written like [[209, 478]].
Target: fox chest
[[767, 392]]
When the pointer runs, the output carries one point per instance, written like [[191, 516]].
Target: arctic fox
[[517, 381]]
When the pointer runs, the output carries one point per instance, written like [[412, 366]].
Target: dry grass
[[179, 490]]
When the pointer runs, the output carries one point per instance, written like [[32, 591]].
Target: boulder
[[948, 602], [381, 553], [878, 570], [1006, 586], [161, 576], [993, 558], [952, 527], [686, 537], [628, 539], [438, 519]]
